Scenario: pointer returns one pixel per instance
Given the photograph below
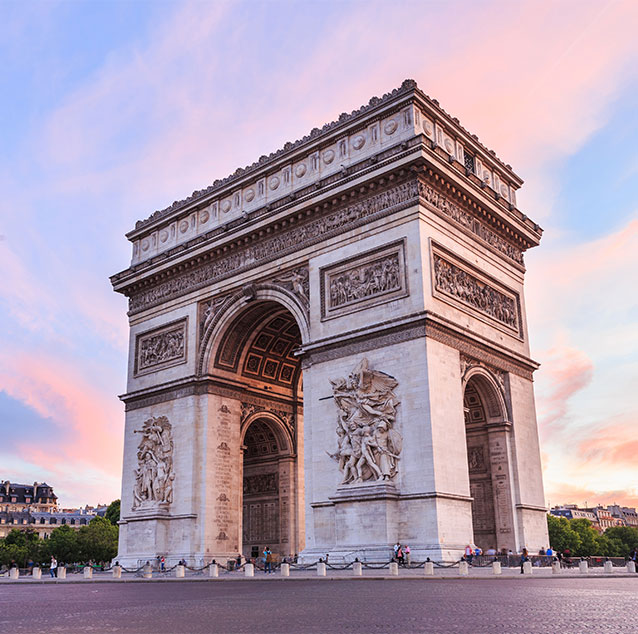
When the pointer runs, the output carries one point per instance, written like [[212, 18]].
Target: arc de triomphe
[[329, 352]]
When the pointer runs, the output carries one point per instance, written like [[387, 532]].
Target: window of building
[[469, 162]]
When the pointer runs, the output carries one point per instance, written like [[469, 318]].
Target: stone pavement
[[527, 604]]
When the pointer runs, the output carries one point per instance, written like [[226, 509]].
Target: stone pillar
[[496, 568], [213, 570], [117, 572], [357, 569], [608, 567], [285, 570], [249, 570], [14, 573], [464, 568], [180, 571], [500, 466], [321, 569], [147, 571], [428, 569], [527, 568], [36, 573], [631, 566], [583, 567], [88, 572], [61, 572], [394, 569], [555, 567]]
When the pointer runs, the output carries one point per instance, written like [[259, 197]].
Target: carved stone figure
[[154, 474], [162, 347], [368, 445]]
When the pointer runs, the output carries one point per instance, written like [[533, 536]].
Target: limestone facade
[[334, 340]]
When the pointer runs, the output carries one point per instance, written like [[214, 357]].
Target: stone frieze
[[161, 347], [453, 281]]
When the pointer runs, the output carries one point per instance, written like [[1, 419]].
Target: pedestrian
[[53, 568], [267, 560], [633, 556], [400, 555], [468, 554], [162, 564], [524, 558], [158, 559], [549, 552], [396, 550], [238, 564], [406, 552]]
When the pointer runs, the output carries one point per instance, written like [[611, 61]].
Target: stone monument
[[329, 352]]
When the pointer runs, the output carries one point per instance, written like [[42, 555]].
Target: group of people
[[402, 554]]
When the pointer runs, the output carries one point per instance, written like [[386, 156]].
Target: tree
[[588, 537], [63, 544], [561, 535], [113, 512], [98, 540], [626, 538]]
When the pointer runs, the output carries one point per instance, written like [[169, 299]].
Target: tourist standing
[[267, 560], [406, 552], [396, 550], [524, 558], [400, 555], [53, 569], [468, 554]]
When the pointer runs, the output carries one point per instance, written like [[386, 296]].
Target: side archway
[[488, 440]]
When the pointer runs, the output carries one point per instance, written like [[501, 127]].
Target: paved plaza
[[537, 604]]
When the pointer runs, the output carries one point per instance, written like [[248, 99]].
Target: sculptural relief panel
[[458, 282], [368, 445], [367, 280], [154, 475], [161, 348]]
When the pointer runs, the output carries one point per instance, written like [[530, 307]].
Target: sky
[[112, 110]]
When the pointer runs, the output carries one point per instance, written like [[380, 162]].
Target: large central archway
[[252, 352]]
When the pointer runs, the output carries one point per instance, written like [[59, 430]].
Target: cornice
[[407, 92]]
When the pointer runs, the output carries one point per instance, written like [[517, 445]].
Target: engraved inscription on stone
[[455, 282], [223, 475], [370, 279], [163, 347]]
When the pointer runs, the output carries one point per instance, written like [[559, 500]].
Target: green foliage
[[113, 512], [583, 540], [626, 538], [98, 540], [63, 544], [561, 535]]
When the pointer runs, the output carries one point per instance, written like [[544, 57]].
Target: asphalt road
[[525, 605]]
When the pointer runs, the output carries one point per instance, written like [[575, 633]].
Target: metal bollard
[[213, 570], [180, 571], [555, 567], [464, 569], [14, 573], [583, 567], [527, 568], [117, 572], [428, 569], [357, 569], [394, 568], [88, 572], [249, 570], [321, 569], [61, 572], [496, 568], [147, 571], [631, 566], [285, 570], [608, 567], [36, 573]]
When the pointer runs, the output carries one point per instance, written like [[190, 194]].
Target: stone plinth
[[87, 572], [117, 572], [36, 573], [464, 569], [180, 571], [61, 572], [321, 569], [285, 570], [428, 568], [357, 569], [496, 568]]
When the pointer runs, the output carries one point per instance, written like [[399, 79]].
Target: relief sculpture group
[[368, 444]]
